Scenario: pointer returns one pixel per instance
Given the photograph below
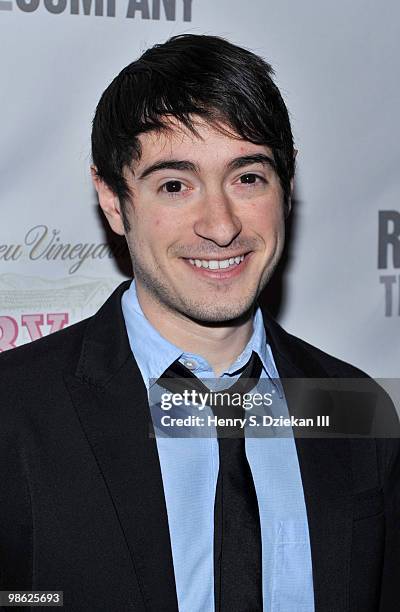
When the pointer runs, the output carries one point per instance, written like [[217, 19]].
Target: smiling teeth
[[214, 264]]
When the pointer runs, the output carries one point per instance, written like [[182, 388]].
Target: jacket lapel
[[325, 466], [111, 401]]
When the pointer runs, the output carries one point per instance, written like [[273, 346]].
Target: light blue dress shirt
[[189, 468]]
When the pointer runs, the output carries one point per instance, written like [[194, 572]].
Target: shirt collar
[[154, 353]]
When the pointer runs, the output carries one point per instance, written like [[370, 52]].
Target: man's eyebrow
[[253, 158], [168, 164], [234, 164]]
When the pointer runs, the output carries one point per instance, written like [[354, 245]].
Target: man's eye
[[173, 187], [250, 179]]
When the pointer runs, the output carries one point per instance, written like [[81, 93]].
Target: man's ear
[[109, 203]]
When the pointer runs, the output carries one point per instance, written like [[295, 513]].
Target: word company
[[143, 9]]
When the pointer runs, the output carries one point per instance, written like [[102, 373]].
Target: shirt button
[[191, 364]]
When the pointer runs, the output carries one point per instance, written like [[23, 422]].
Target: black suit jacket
[[81, 498]]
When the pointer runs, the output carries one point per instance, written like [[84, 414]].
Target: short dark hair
[[190, 75]]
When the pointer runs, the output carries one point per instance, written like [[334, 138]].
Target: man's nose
[[217, 220]]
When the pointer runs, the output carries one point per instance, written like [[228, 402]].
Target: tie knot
[[226, 403]]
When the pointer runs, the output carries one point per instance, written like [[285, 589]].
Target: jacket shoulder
[[333, 365], [305, 356], [56, 351]]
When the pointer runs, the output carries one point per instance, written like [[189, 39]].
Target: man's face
[[207, 222]]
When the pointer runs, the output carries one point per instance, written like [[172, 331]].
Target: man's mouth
[[217, 264], [219, 269]]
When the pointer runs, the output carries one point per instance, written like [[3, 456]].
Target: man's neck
[[220, 345]]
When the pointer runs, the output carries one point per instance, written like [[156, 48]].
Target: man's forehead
[[179, 139]]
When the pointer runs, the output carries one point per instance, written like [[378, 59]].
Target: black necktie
[[237, 531]]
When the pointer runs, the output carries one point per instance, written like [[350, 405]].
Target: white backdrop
[[337, 66]]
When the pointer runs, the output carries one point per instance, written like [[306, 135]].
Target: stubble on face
[[216, 308]]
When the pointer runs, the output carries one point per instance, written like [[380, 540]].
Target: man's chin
[[219, 313]]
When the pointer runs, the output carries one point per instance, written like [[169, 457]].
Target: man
[[193, 161]]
